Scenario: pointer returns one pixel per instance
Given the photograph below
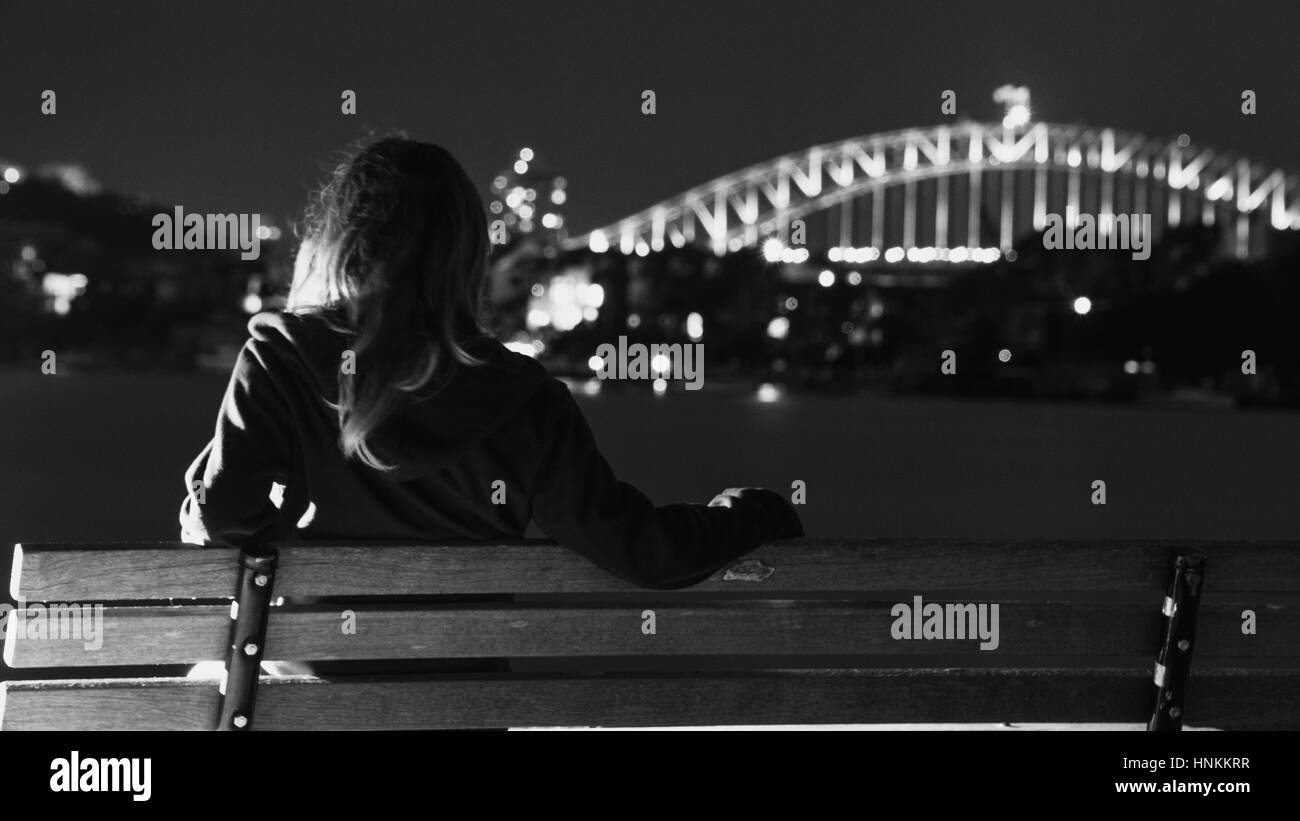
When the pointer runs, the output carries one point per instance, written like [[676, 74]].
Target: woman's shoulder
[[295, 328]]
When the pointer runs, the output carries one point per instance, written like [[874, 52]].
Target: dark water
[[100, 457]]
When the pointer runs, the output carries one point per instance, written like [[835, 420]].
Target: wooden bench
[[800, 632]]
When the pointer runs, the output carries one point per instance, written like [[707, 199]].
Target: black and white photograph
[[903, 388]]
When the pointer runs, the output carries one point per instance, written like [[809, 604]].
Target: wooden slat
[[1236, 699], [782, 697], [1251, 700], [175, 635], [82, 572], [132, 635], [796, 566], [776, 628], [95, 572], [1233, 699], [109, 704], [736, 628]]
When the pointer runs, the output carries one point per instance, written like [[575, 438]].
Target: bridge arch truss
[[966, 185]]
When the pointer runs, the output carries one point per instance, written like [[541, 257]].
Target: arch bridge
[[962, 192]]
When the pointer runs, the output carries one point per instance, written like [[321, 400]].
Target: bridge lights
[[1016, 101], [774, 251], [1017, 116]]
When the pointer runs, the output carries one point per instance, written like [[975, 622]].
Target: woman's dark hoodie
[[505, 421]]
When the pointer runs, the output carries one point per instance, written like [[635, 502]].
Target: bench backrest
[[806, 631]]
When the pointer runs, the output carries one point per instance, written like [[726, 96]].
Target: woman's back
[[448, 449]]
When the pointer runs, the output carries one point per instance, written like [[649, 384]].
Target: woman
[[385, 413]]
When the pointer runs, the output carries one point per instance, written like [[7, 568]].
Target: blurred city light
[[778, 328], [538, 318], [694, 326], [767, 392], [62, 289], [591, 294], [1082, 305]]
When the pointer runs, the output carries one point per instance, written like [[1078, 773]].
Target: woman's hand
[[776, 516]]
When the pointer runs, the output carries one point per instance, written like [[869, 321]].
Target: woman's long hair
[[393, 252]]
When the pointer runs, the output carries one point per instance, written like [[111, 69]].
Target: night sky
[[234, 106]]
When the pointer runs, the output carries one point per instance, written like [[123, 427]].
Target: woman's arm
[[578, 502], [228, 486]]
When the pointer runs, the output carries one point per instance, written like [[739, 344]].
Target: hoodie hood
[[425, 432]]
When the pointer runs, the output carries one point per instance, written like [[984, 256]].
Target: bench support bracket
[[249, 614], [1174, 661]]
